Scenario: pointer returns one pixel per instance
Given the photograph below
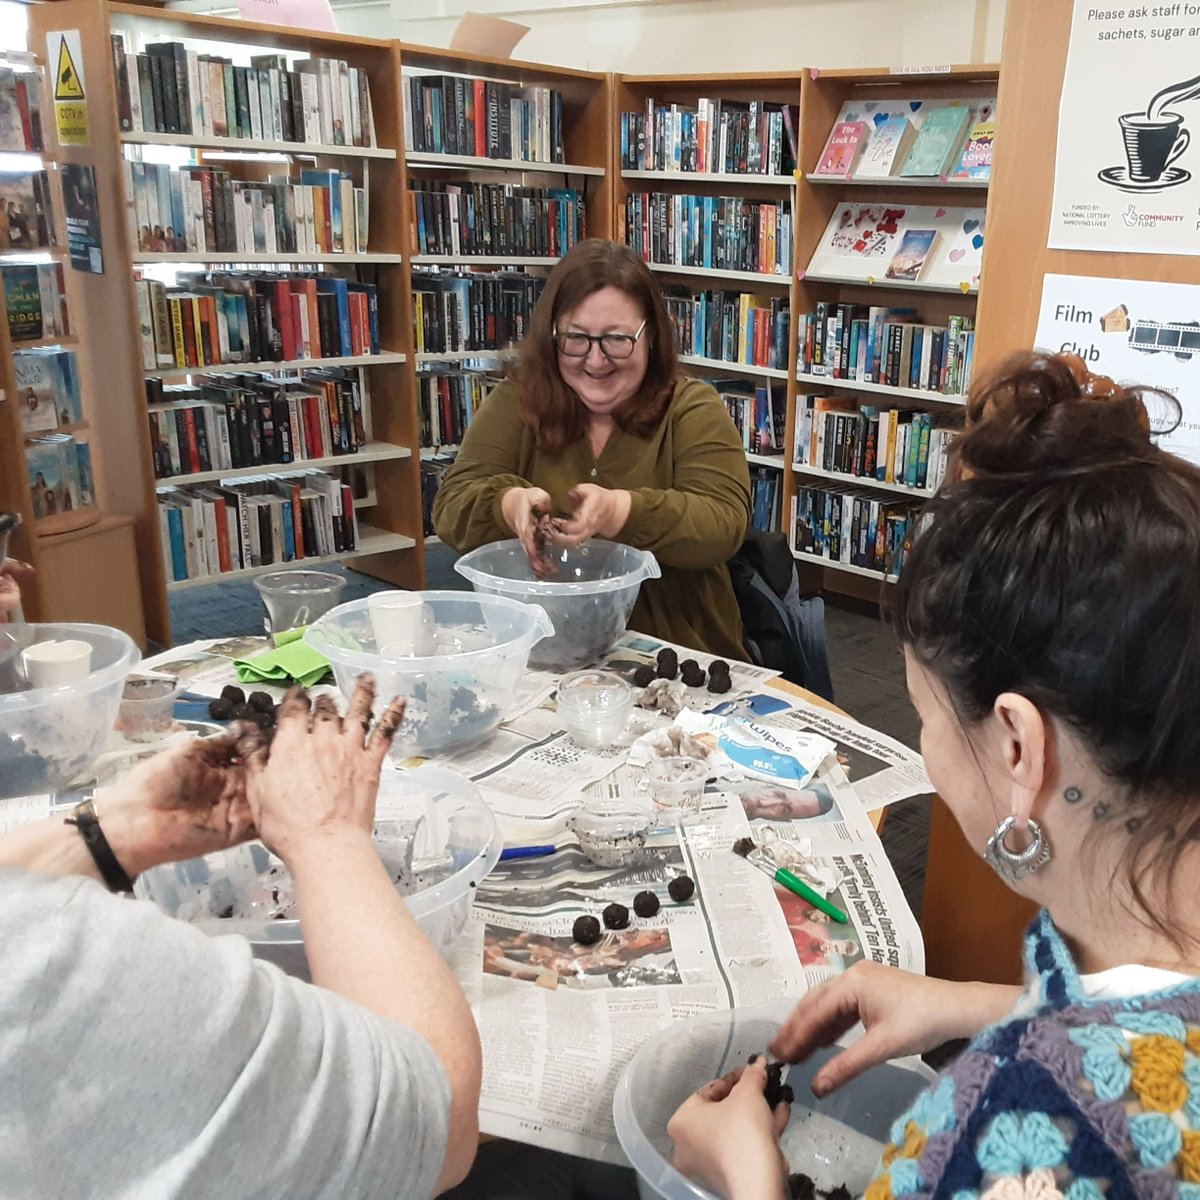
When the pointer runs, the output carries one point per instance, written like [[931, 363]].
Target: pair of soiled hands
[[598, 511], [13, 574], [317, 777]]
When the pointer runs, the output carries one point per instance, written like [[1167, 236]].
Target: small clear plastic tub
[[615, 832], [594, 706], [148, 707]]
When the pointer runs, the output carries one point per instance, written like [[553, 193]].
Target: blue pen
[[526, 852]]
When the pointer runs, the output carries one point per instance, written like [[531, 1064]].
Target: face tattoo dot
[[1072, 795], [1100, 811]]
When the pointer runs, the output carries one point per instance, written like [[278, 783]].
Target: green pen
[[753, 854]]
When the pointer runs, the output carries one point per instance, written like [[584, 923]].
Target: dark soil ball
[[692, 673], [681, 888], [220, 710], [776, 1090], [616, 916], [718, 666], [718, 684], [586, 931], [234, 693], [645, 904], [644, 676], [243, 712], [263, 720], [261, 701], [668, 664], [801, 1187]]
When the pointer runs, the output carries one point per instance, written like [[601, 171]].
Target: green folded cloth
[[291, 659]]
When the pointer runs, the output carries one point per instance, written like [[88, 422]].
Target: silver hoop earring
[[1014, 865]]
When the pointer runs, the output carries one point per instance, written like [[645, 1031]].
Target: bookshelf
[[556, 145], [83, 556], [389, 542], [824, 96], [666, 128]]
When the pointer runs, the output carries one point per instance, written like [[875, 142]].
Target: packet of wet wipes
[[757, 750]]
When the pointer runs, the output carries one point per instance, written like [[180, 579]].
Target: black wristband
[[85, 819]]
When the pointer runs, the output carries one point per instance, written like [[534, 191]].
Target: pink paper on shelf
[[303, 14]]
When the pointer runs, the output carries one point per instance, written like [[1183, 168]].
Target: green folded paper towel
[[291, 659]]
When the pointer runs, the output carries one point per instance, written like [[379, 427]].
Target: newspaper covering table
[[559, 1021]]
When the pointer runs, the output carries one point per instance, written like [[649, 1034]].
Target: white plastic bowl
[[471, 653], [432, 828], [589, 600], [834, 1140], [48, 736]]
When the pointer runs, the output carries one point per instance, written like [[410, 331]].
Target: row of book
[[735, 327], [766, 499], [231, 422], [947, 144], [890, 445], [233, 317], [728, 233], [447, 401], [214, 529], [60, 474], [758, 411], [483, 118], [35, 301], [890, 346], [849, 525], [206, 210], [716, 137], [47, 381], [20, 110], [494, 219], [26, 208], [168, 88], [458, 310]]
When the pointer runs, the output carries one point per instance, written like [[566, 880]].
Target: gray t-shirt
[[140, 1058]]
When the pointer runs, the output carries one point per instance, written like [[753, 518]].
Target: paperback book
[[24, 210], [887, 148], [937, 144], [846, 142], [909, 259], [975, 161]]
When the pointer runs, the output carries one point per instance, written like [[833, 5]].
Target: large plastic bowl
[[434, 833], [837, 1140], [48, 736], [471, 653], [589, 600]]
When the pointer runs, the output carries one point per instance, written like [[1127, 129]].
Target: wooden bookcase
[[586, 120], [389, 544], [822, 96], [82, 558], [631, 94]]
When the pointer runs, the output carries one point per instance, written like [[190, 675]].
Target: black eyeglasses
[[612, 345]]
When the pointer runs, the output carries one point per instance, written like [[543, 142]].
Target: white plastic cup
[[52, 664], [396, 622]]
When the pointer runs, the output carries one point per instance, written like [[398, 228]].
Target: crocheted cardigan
[[1076, 1098]]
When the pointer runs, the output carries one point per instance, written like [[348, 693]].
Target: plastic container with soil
[[834, 1141], [435, 835], [588, 600]]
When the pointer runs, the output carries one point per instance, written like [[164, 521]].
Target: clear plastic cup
[[615, 832], [148, 707], [297, 598], [594, 706], [676, 785]]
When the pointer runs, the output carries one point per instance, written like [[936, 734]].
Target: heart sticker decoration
[[880, 118], [977, 241], [852, 116], [915, 104], [941, 212], [958, 254], [970, 226]]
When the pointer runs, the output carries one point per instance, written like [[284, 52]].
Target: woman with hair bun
[[597, 434], [1049, 614]]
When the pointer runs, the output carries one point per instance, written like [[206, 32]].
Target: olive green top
[[690, 486]]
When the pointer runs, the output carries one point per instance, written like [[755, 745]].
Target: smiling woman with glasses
[[597, 427]]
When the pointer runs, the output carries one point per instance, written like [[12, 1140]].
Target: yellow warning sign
[[70, 105], [67, 84]]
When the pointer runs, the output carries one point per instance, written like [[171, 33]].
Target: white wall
[[693, 36]]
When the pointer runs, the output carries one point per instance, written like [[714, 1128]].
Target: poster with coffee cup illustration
[[1134, 331], [1127, 169]]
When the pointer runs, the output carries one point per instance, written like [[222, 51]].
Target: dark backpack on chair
[[781, 629]]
